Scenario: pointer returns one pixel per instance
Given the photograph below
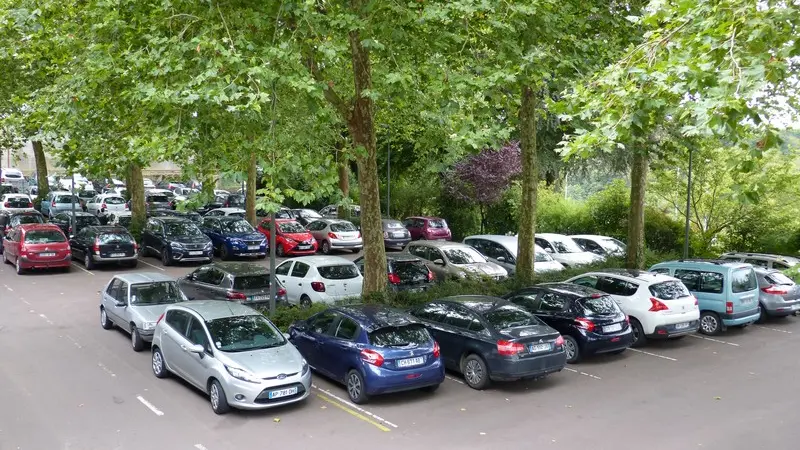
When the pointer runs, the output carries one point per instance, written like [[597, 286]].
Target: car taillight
[[235, 296], [53, 203], [159, 318], [281, 292], [7, 204], [436, 350], [318, 286], [508, 348], [126, 207], [657, 305], [358, 236], [372, 357], [584, 323], [775, 290], [394, 278], [560, 341], [135, 247], [431, 276], [103, 206], [96, 247], [695, 300], [332, 235], [30, 204], [729, 307]]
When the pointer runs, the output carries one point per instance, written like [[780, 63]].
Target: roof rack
[[710, 261], [773, 255]]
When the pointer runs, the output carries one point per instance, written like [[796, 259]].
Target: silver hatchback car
[[230, 352], [336, 234]]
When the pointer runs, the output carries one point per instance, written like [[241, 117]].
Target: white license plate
[[258, 298], [47, 255], [253, 247], [681, 326], [118, 255], [539, 348], [612, 328], [283, 392], [398, 235], [195, 253], [303, 247], [410, 362]]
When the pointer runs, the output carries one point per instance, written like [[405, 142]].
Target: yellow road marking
[[353, 413]]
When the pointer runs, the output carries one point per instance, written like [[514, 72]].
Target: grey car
[[336, 234], [395, 233], [59, 201], [230, 352], [778, 295], [135, 301], [451, 260], [242, 282]]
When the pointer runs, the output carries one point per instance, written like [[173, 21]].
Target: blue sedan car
[[234, 236], [370, 349]]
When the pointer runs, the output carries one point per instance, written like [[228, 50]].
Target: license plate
[[539, 348], [612, 328], [303, 247], [410, 362], [195, 253], [283, 392], [398, 235], [253, 247], [118, 255], [47, 255], [258, 298], [681, 326]]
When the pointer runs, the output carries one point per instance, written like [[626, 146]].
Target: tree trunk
[[635, 253], [135, 188], [362, 130], [41, 171], [482, 211], [344, 186], [530, 180], [252, 183]]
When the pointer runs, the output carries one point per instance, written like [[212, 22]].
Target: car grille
[[263, 397], [286, 375], [252, 242], [194, 246]]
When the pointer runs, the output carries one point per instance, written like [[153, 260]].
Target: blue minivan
[[727, 291]]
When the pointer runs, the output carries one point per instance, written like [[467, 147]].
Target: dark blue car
[[234, 236], [370, 349]]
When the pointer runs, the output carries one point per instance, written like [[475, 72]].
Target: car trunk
[[340, 280], [254, 287], [604, 313], [537, 339], [345, 232], [404, 348], [410, 273], [45, 245], [437, 228], [675, 296], [115, 245], [18, 202]]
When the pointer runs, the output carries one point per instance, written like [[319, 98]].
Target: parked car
[[7, 188], [405, 272], [148, 183], [187, 215], [779, 296], [216, 203], [77, 180], [727, 291], [82, 219], [15, 202], [565, 250], [9, 220], [430, 228], [590, 321], [765, 260], [225, 212], [370, 349], [233, 236], [234, 281], [169, 184], [134, 302], [332, 211], [234, 201], [658, 305], [306, 216], [120, 219], [157, 201], [85, 196], [175, 240], [319, 279], [36, 246], [502, 250], [231, 352], [336, 234], [601, 245], [97, 245], [58, 201], [103, 204], [395, 234], [491, 339], [12, 176], [452, 260], [291, 239]]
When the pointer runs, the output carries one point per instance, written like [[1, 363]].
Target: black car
[[9, 220], [491, 339], [246, 283], [96, 245], [82, 219], [188, 215], [405, 272], [395, 234], [589, 320], [157, 201], [175, 240]]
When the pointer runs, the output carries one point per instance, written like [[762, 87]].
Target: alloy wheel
[[158, 363], [354, 386], [569, 346], [103, 317], [473, 372], [214, 395], [709, 324]]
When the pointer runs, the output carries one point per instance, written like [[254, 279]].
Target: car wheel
[[431, 389], [104, 320], [763, 316], [356, 389], [709, 323], [572, 349], [223, 252], [166, 258], [475, 371], [136, 339], [219, 402], [87, 261], [639, 339], [305, 301], [280, 251], [326, 247], [19, 268], [159, 365]]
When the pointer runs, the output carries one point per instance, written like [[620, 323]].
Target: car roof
[[172, 219], [479, 303], [241, 268], [78, 213], [424, 217], [108, 228], [439, 244], [143, 277], [229, 210], [640, 275], [765, 255], [702, 262], [508, 241], [571, 289], [216, 309], [26, 212], [551, 235], [320, 260], [225, 218], [590, 236], [38, 226], [373, 317], [401, 257]]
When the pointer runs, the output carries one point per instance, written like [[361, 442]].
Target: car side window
[[757, 262], [283, 269], [662, 270], [178, 320], [544, 244], [122, 292], [434, 254], [591, 246], [779, 266], [347, 329], [551, 302], [300, 269], [697, 281], [419, 223], [321, 324], [460, 318], [216, 276], [588, 281], [615, 286], [434, 312], [419, 251], [197, 334], [526, 300], [113, 288], [203, 274]]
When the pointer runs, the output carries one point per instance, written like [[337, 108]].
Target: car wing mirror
[[196, 348], [501, 259], [439, 262], [120, 303]]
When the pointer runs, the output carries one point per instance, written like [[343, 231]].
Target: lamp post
[[688, 206], [389, 180]]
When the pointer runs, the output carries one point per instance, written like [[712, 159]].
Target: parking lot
[[69, 384]]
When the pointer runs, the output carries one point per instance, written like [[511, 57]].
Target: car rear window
[[339, 272], [343, 226], [245, 282], [66, 199], [598, 305], [402, 336], [669, 290], [437, 223], [44, 237], [114, 200], [410, 270], [115, 238], [509, 316], [235, 200], [779, 278], [87, 220], [27, 218], [18, 202], [158, 198], [394, 225], [743, 280]]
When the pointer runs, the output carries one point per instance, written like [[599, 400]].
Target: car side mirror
[[501, 259], [120, 303], [286, 335], [439, 262], [196, 348]]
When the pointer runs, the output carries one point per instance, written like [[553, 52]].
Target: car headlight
[[290, 241], [236, 241], [242, 374], [148, 325], [208, 246], [176, 245], [263, 242], [305, 367]]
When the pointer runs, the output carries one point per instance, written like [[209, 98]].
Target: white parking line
[[583, 373], [150, 406], [652, 354], [83, 269], [106, 369], [713, 340], [10, 290], [351, 405], [454, 379], [50, 322], [773, 329], [155, 267], [74, 342], [200, 447], [26, 302]]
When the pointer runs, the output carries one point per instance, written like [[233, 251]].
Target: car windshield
[[115, 238], [66, 199], [612, 245], [669, 290], [509, 316], [158, 293], [236, 226], [343, 226], [437, 223], [246, 282], [743, 280], [182, 229], [565, 245], [114, 201], [779, 278], [402, 336], [463, 255], [44, 237], [339, 272], [543, 257], [289, 227], [244, 333], [593, 306], [309, 214], [411, 270]]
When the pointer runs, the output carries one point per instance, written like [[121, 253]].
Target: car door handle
[[183, 347]]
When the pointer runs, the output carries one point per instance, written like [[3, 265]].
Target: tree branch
[[342, 107]]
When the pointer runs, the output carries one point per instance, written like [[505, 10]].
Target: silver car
[[135, 301], [502, 250], [452, 260], [336, 234], [779, 296], [230, 352]]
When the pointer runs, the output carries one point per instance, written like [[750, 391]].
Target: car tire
[[18, 266], [223, 252], [326, 247], [136, 339], [356, 250], [763, 316], [431, 389], [572, 349], [218, 399], [476, 372], [280, 251], [166, 257], [639, 339], [87, 261], [710, 323], [105, 322], [356, 388], [305, 301], [159, 364]]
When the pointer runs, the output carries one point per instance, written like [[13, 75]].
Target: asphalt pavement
[[65, 383]]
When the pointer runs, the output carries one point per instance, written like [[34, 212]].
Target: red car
[[430, 228], [291, 238], [37, 246]]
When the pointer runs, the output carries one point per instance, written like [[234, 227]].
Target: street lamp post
[[688, 207], [389, 181], [73, 221]]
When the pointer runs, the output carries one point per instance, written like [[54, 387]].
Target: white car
[[120, 218], [148, 183], [224, 212], [221, 192], [659, 306], [600, 245], [103, 204], [81, 182], [565, 250], [502, 250], [15, 202], [319, 279], [14, 177]]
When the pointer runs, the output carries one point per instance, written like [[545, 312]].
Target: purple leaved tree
[[482, 179]]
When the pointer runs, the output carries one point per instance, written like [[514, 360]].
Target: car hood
[[190, 239], [250, 236], [547, 266], [485, 268], [297, 236], [269, 362], [149, 313]]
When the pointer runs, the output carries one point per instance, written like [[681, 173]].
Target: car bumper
[[294, 251], [501, 369], [239, 252], [101, 260], [782, 308], [744, 317], [410, 287], [26, 263], [384, 381], [347, 244], [244, 395], [396, 242], [146, 335], [185, 256], [604, 343], [673, 330]]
